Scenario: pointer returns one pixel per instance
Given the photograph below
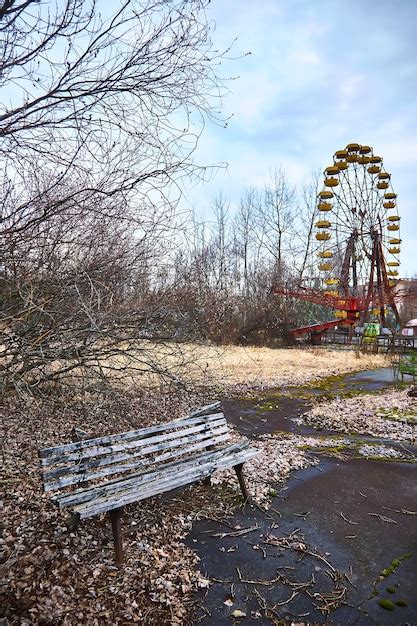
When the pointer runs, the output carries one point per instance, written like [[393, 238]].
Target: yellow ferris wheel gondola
[[325, 206], [323, 236], [325, 254], [331, 182], [331, 170]]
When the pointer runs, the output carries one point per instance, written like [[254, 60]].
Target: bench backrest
[[94, 459]]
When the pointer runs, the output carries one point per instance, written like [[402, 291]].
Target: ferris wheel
[[357, 233]]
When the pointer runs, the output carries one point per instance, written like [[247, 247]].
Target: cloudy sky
[[321, 74]]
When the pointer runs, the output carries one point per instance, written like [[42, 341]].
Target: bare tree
[[220, 210], [99, 120], [117, 100], [245, 224], [278, 215], [310, 191]]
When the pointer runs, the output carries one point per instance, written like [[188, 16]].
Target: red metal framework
[[355, 308]]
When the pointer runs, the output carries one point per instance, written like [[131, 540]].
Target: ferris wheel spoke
[[346, 201], [352, 197], [354, 209], [363, 187], [345, 209], [368, 189]]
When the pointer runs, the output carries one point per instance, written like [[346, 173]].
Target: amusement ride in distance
[[357, 243]]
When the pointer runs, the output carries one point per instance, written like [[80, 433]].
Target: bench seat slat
[[95, 451], [112, 465], [185, 474], [81, 466], [57, 451], [113, 486]]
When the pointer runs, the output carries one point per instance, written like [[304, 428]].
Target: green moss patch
[[388, 571], [386, 604], [405, 416]]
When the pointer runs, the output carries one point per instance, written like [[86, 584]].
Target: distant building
[[405, 292]]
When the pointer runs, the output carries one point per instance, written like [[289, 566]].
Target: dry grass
[[236, 365], [230, 366]]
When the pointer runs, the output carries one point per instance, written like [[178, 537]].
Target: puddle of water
[[371, 380], [358, 382], [253, 418], [276, 409]]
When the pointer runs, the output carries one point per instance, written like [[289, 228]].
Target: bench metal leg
[[116, 517], [239, 472], [207, 481], [73, 522]]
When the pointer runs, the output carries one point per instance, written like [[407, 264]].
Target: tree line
[[99, 119]]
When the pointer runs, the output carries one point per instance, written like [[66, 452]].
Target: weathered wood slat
[[161, 484], [94, 451], [53, 451], [78, 475], [82, 466], [113, 486]]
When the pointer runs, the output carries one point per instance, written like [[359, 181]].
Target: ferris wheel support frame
[[348, 259], [383, 289]]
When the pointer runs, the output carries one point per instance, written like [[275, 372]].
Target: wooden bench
[[104, 474]]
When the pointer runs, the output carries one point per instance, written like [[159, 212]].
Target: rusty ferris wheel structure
[[357, 241]]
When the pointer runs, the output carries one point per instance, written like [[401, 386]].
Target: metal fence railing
[[396, 343]]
